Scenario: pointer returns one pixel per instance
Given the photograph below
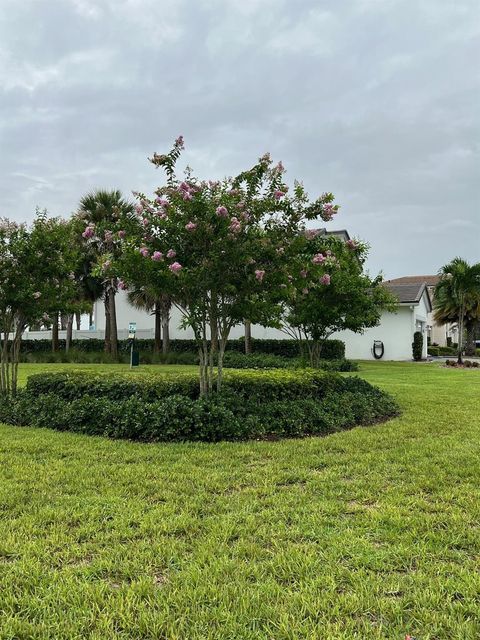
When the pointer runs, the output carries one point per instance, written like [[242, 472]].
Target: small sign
[[132, 329]]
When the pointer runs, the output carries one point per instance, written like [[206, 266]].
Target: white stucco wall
[[395, 330]]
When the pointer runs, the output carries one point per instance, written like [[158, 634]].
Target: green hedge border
[[156, 408]]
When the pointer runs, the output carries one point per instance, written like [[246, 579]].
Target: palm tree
[[159, 306], [104, 207], [457, 297]]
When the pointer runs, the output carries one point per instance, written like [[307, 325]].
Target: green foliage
[[417, 345], [161, 408], [332, 292]]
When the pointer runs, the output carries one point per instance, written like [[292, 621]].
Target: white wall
[[395, 331]]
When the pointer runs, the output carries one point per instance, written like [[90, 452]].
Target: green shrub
[[149, 408], [417, 345], [41, 350], [434, 351]]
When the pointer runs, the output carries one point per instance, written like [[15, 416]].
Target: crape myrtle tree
[[99, 216], [36, 276], [219, 250], [331, 292]]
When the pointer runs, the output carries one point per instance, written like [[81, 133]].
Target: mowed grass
[[371, 533]]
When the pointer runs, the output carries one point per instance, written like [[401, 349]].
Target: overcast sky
[[375, 100]]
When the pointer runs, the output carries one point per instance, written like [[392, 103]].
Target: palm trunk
[[78, 319], [55, 341], [158, 328], [106, 302], [470, 343], [460, 333], [113, 324]]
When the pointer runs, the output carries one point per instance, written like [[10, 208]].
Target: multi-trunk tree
[[220, 250], [36, 276]]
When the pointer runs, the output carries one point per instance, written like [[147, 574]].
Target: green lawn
[[370, 533]]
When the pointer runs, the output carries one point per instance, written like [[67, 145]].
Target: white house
[[393, 336]]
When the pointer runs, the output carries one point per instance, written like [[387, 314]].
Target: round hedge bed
[[155, 408]]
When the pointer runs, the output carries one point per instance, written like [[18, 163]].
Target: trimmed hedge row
[[167, 408], [332, 350]]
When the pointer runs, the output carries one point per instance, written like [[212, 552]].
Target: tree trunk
[[165, 325], [68, 341], [78, 319], [157, 346], [248, 337], [55, 341], [106, 303], [90, 318], [460, 333], [470, 343], [113, 325]]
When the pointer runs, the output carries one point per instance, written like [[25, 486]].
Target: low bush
[[154, 408]]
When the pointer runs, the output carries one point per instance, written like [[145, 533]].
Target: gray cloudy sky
[[375, 100]]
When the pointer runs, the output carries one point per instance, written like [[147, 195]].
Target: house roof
[[339, 233], [409, 293], [430, 281]]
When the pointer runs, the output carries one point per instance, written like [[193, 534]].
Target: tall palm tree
[[159, 306], [457, 297], [104, 207]]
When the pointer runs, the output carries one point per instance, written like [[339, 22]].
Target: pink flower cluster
[[278, 194], [122, 234], [175, 268], [157, 256], [325, 279], [89, 231], [171, 253], [259, 274], [318, 258], [121, 285], [351, 244], [108, 236], [144, 252], [186, 191], [191, 226], [179, 143], [235, 225], [222, 212], [328, 211]]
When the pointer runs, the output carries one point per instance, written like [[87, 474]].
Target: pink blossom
[[108, 236], [89, 232], [311, 233], [139, 208], [259, 274], [37, 295], [145, 222], [351, 244], [162, 202], [191, 226], [278, 194], [303, 273], [222, 212], [122, 285], [175, 267], [325, 279], [245, 216], [318, 258], [328, 211], [179, 143], [240, 205], [171, 253], [122, 234], [157, 256], [235, 225], [186, 195], [145, 252], [280, 168]]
